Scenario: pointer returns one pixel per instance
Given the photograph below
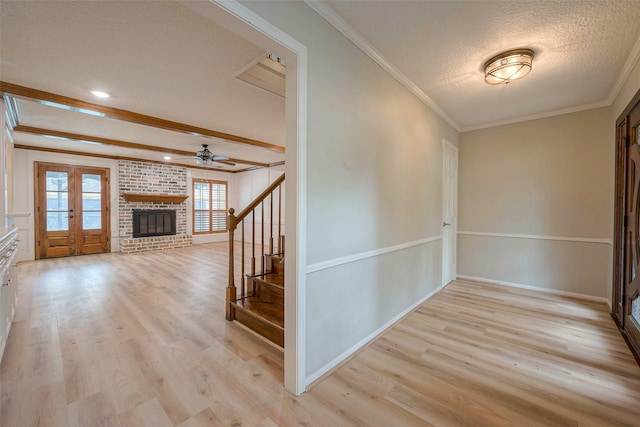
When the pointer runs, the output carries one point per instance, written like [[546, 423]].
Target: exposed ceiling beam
[[74, 104], [107, 156], [107, 141], [276, 164]]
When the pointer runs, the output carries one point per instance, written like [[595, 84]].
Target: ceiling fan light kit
[[508, 66], [205, 157]]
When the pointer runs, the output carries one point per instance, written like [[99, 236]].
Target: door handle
[[70, 216], [70, 210], [444, 224]]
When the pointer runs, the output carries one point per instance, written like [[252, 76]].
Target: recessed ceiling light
[[99, 94], [167, 157]]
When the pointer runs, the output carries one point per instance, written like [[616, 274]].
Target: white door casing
[[449, 210]]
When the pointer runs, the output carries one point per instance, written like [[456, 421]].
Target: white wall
[[24, 193], [374, 156], [249, 185], [527, 192]]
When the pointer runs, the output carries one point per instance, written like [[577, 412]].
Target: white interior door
[[449, 211]]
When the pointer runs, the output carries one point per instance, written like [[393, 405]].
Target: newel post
[[231, 287]]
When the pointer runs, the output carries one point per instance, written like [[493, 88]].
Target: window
[[209, 206]]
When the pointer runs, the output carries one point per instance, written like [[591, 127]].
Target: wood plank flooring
[[141, 340]]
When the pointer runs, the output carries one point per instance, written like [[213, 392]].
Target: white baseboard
[[536, 288], [372, 336]]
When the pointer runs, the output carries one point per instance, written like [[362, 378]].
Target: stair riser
[[268, 293], [276, 267], [264, 328]]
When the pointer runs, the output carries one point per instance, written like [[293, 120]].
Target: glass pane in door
[[57, 181], [57, 221], [635, 310], [91, 202], [57, 185]]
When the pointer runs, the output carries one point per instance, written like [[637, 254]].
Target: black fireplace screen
[[153, 222]]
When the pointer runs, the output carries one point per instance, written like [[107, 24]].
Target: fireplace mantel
[[153, 197]]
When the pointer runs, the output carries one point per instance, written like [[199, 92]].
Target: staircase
[[255, 292]]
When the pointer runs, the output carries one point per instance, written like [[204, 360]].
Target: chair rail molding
[[538, 237], [323, 265]]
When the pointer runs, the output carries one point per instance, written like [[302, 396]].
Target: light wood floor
[[141, 340]]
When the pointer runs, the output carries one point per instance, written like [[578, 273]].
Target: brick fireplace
[[153, 184]]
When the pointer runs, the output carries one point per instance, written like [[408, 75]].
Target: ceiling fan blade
[[225, 162], [216, 158]]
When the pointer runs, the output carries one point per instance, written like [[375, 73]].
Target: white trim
[[445, 141], [373, 335], [356, 38], [301, 224], [294, 377], [249, 65], [536, 288], [538, 237], [625, 72], [552, 113], [323, 265], [454, 224]]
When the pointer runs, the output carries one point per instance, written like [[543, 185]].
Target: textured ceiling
[[157, 58], [581, 48], [162, 59]]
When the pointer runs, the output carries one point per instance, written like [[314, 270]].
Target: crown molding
[[331, 16], [633, 58], [552, 113]]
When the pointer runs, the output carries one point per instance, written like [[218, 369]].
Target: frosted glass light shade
[[508, 66]]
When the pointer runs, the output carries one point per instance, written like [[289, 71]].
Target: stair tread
[[271, 279], [273, 313]]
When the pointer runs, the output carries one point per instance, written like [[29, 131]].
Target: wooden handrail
[[234, 220]]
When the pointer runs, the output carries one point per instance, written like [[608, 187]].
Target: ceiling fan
[[205, 157]]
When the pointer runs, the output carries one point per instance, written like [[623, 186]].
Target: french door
[[626, 283], [72, 210]]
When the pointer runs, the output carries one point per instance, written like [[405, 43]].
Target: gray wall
[[550, 180], [374, 181]]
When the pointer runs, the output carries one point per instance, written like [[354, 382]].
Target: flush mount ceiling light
[[508, 66]]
